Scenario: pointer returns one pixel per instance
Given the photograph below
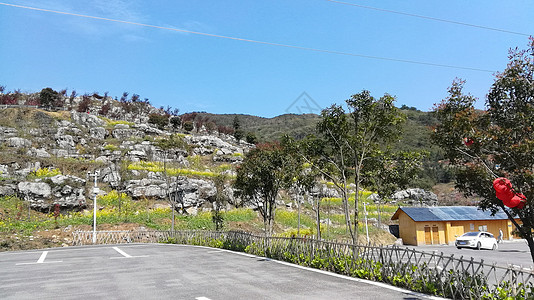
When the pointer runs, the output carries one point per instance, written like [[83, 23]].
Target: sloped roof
[[448, 213]]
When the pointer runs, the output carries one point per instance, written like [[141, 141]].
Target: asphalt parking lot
[[158, 271], [508, 253]]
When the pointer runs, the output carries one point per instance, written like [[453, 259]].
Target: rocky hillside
[[46, 158], [50, 143]]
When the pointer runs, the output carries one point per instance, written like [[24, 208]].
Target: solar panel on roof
[[451, 213]]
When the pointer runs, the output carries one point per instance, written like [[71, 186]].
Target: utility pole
[[366, 227], [95, 192]]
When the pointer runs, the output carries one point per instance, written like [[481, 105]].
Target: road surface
[[159, 271]]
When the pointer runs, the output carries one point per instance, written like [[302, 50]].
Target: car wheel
[[459, 247], [494, 247], [479, 246]]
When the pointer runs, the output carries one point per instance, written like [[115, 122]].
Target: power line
[[253, 41], [428, 18]]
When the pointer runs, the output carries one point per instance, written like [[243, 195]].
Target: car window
[[471, 234]]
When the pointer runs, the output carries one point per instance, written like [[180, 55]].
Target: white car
[[477, 239]]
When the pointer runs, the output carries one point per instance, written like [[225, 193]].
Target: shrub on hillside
[[159, 120]]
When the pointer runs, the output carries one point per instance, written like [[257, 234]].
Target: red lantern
[[518, 201], [503, 189], [505, 193], [502, 184], [505, 196], [513, 202]]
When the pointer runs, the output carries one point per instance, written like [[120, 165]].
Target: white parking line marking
[[122, 252], [202, 298], [42, 258]]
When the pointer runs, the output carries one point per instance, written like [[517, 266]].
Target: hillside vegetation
[[415, 137], [49, 155]]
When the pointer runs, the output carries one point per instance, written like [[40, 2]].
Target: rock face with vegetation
[[46, 156], [154, 168]]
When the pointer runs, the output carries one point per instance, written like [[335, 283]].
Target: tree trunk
[[356, 201], [173, 217], [167, 185], [346, 211], [271, 217], [318, 217], [298, 205]]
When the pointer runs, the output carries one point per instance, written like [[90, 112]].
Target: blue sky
[[199, 73]]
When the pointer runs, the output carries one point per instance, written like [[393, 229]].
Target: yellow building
[[443, 224]]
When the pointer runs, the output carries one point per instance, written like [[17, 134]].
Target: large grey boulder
[[149, 191], [65, 141], [186, 192], [136, 155], [60, 152], [8, 190], [99, 133], [18, 142], [7, 132], [62, 179], [149, 129], [38, 153], [415, 197], [209, 141], [39, 189], [65, 190], [87, 120], [36, 132], [123, 133], [4, 170]]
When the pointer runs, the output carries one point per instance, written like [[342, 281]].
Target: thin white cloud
[[118, 9], [127, 10]]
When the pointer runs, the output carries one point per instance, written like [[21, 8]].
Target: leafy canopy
[[495, 142]]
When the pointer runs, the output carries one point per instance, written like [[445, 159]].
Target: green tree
[[238, 132], [386, 172], [160, 120], [188, 126], [47, 97], [264, 171], [304, 177], [219, 202], [351, 138], [251, 138], [166, 145], [495, 142], [176, 122]]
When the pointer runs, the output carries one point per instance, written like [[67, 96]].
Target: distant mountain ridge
[[268, 129], [416, 135]]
